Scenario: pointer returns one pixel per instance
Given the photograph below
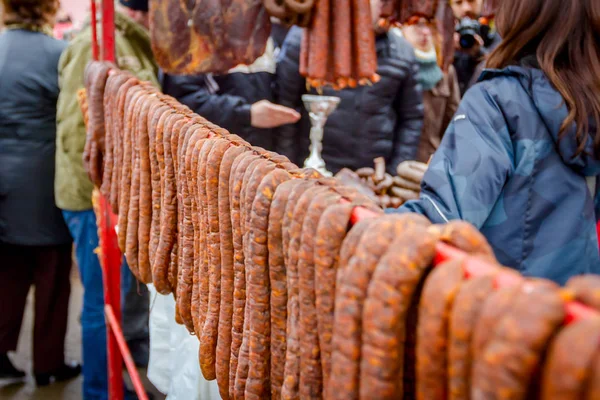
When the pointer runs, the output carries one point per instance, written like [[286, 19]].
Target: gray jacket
[[28, 95]]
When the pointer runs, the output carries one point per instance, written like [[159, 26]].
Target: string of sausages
[[290, 301], [338, 48]]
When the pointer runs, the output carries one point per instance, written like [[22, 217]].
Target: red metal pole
[[95, 48], [113, 322], [108, 30], [112, 265], [111, 274]]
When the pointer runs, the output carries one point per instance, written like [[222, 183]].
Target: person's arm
[[70, 127], [409, 108], [227, 111], [233, 113], [468, 172], [289, 88]]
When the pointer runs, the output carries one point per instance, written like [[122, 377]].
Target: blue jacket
[[502, 168]]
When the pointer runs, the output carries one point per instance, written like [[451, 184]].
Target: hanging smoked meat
[[338, 48], [200, 36]]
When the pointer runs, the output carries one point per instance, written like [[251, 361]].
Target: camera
[[467, 28]]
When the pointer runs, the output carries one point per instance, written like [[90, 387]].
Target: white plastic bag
[[173, 366]]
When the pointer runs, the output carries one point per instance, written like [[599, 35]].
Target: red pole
[[111, 274], [108, 30], [95, 49], [112, 258], [113, 322], [110, 250]]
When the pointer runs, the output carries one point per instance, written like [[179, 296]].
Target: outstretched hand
[[265, 114]]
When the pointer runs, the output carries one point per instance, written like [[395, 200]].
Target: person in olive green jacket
[[73, 192]]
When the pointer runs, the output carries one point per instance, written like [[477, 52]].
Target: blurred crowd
[[45, 193]]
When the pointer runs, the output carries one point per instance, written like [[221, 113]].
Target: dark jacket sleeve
[[227, 111], [409, 108], [289, 88], [468, 172]]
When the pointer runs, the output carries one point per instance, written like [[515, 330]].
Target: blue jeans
[[82, 225]]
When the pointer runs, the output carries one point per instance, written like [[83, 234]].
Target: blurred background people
[[73, 191], [35, 245], [241, 101], [441, 93], [380, 120], [63, 25], [473, 41]]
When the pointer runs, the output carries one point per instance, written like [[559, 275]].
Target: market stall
[[296, 285]]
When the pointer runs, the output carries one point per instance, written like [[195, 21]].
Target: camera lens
[[467, 41]]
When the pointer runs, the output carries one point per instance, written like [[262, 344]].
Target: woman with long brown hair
[[521, 158], [35, 245]]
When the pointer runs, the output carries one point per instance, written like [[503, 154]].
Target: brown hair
[[30, 12], [564, 37]]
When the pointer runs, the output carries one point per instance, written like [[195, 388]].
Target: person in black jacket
[[384, 119], [35, 244], [240, 101], [469, 63]]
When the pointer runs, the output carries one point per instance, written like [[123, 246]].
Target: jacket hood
[[553, 112]]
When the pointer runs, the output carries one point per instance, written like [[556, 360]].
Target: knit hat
[[138, 5]]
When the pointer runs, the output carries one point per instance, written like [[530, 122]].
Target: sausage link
[[433, 329], [311, 373], [156, 118], [331, 231], [145, 193], [160, 269], [465, 313], [227, 274], [569, 363], [318, 34], [239, 284], [257, 282], [192, 233], [168, 215], [364, 40], [278, 284], [293, 219], [172, 197], [393, 286], [133, 96], [509, 362], [342, 45], [351, 290], [208, 341]]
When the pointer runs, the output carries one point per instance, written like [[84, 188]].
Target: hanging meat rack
[[111, 258]]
